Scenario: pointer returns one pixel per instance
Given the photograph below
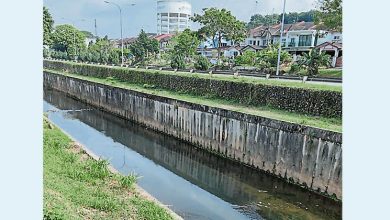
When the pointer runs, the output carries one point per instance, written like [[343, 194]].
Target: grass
[[335, 73], [79, 187], [332, 124], [330, 73], [245, 79]]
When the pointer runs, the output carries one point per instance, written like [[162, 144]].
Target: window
[[283, 42], [292, 42], [264, 42], [336, 37], [250, 42], [254, 42], [305, 40]]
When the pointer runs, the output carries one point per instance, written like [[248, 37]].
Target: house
[[335, 50], [128, 41], [163, 40], [232, 52], [297, 37]]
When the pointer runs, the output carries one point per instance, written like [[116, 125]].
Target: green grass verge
[[332, 124], [330, 73], [335, 73], [79, 187], [246, 79]]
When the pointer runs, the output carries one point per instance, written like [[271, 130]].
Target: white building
[[173, 16]]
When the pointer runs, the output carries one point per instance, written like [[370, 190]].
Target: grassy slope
[[333, 124], [247, 79], [78, 187]]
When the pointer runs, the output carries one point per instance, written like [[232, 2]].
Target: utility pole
[[95, 28], [280, 40]]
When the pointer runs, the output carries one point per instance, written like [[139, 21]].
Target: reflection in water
[[196, 183]]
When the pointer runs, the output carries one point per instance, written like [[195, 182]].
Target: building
[[335, 50], [296, 39], [164, 40], [173, 16]]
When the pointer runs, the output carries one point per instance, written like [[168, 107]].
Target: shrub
[[295, 68], [313, 60], [177, 61], [46, 53], [304, 100], [114, 57], [201, 63]]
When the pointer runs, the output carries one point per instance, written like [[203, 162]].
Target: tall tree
[[220, 23], [68, 38], [47, 27], [330, 14], [143, 46], [185, 43]]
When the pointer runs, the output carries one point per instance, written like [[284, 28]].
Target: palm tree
[[313, 60]]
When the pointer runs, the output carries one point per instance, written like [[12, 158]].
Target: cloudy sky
[[143, 13]]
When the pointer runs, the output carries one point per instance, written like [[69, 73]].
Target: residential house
[[335, 50], [297, 37], [163, 40], [233, 51]]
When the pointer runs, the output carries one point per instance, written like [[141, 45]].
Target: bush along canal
[[191, 181]]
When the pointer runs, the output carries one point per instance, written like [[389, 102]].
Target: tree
[[220, 23], [101, 50], [201, 63], [330, 14], [247, 58], [47, 27], [143, 46], [185, 43], [289, 18], [270, 55], [257, 20], [313, 60], [68, 38]]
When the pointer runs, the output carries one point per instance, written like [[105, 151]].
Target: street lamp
[[280, 40], [120, 15]]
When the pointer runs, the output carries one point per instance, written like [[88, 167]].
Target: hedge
[[308, 101]]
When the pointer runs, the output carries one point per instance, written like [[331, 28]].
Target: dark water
[[194, 183]]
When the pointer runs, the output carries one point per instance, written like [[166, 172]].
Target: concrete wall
[[303, 155]]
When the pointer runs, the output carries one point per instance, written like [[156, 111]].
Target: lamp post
[[280, 40], [120, 17]]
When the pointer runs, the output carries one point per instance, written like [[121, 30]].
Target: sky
[[143, 15]]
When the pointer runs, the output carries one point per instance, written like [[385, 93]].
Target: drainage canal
[[193, 183]]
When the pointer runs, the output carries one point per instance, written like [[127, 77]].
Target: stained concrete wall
[[304, 155]]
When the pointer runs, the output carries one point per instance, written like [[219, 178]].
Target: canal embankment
[[300, 154], [78, 185]]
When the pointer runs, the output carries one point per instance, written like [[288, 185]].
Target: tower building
[[173, 16]]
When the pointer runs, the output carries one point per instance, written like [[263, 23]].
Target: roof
[[255, 47], [332, 44], [237, 47], [163, 37], [263, 30]]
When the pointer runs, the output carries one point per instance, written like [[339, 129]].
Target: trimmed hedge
[[307, 101]]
